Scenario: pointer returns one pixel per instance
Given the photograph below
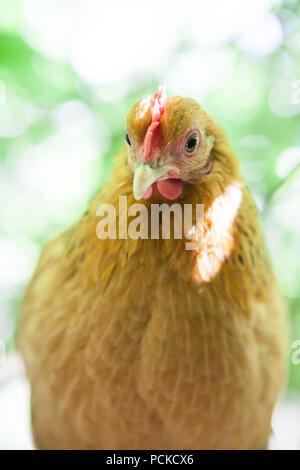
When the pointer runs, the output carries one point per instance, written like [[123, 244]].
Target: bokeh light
[[70, 69]]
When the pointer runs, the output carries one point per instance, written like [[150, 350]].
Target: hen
[[140, 343]]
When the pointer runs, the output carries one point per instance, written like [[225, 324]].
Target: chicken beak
[[144, 176]]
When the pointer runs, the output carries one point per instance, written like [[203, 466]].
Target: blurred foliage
[[67, 91]]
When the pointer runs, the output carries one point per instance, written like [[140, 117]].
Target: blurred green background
[[69, 71]]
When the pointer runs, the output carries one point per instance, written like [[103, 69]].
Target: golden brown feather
[[143, 344]]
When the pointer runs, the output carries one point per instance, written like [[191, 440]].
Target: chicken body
[[142, 344]]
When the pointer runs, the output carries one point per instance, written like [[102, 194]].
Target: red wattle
[[170, 188]]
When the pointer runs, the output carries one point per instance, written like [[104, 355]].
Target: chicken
[[141, 343]]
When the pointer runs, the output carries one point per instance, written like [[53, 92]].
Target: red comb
[[158, 103], [153, 138]]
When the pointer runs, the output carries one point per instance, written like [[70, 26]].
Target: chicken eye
[[192, 143], [127, 139]]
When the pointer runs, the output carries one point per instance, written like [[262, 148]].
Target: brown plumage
[[142, 343]]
